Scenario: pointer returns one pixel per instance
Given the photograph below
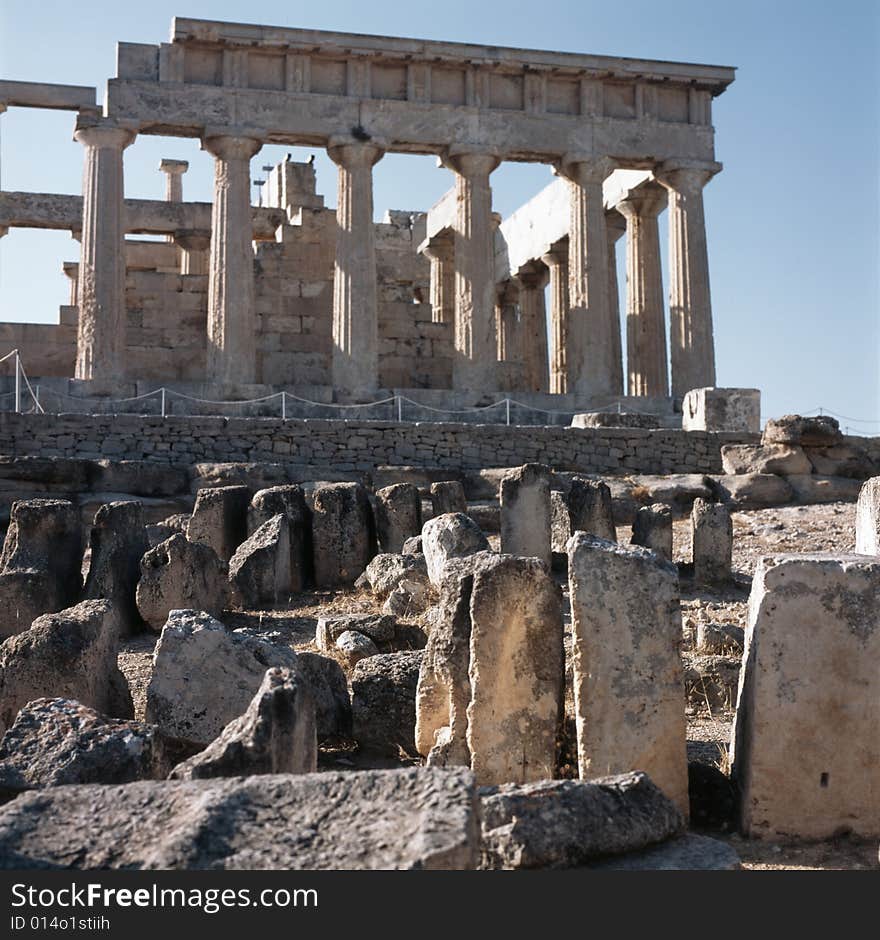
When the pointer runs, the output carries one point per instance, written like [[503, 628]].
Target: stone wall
[[353, 445]]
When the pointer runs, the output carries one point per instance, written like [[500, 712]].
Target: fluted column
[[474, 363], [355, 366], [440, 251], [232, 348], [589, 342], [691, 340], [507, 323], [615, 226], [533, 328], [195, 249], [100, 346], [557, 263], [647, 372]]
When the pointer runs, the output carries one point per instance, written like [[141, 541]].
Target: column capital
[[615, 225], [644, 202], [583, 168], [533, 276], [468, 162], [193, 239], [232, 143], [439, 247], [174, 167], [556, 255], [686, 175], [105, 135], [351, 152]]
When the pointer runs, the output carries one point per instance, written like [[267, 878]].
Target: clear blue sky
[[793, 219]]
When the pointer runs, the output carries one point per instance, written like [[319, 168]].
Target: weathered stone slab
[[764, 458], [342, 533], [628, 682], [385, 572], [589, 508], [567, 823], [525, 512], [290, 501], [712, 540], [383, 702], [560, 522], [180, 575], [722, 409], [810, 488], [118, 541], [70, 654], [329, 690], [842, 460], [447, 496], [806, 743], [868, 518], [398, 516], [378, 819], [276, 735], [615, 419], [219, 519], [816, 431], [752, 490], [57, 741], [652, 529], [259, 571], [40, 562], [453, 535], [687, 852], [204, 675]]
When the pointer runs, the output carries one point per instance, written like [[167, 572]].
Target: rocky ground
[[716, 617]]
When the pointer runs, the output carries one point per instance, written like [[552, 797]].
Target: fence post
[[17, 383], [507, 409], [163, 400], [399, 408], [283, 405]]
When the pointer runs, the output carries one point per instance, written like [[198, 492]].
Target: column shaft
[[232, 348], [355, 301], [441, 253], [692, 346], [557, 262], [100, 348], [533, 314], [614, 229]]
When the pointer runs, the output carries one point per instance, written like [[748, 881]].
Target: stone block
[[712, 540], [590, 508], [453, 535], [219, 519], [259, 571], [652, 529], [764, 458], [816, 431], [343, 536], [525, 512], [447, 496], [290, 501], [383, 702], [722, 409], [398, 515]]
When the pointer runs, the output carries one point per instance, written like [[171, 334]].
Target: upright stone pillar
[[557, 262], [507, 325], [615, 226], [174, 170], [647, 373], [100, 345], [195, 248], [533, 328], [692, 352], [475, 341], [232, 350], [589, 342], [355, 365], [440, 251]]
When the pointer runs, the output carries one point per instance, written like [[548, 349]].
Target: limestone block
[[516, 671], [179, 574], [329, 689], [868, 518], [753, 490], [628, 682], [565, 823], [415, 818], [70, 654], [810, 488], [398, 515], [841, 460], [687, 852], [722, 409], [289, 500], [413, 546], [385, 572], [40, 562], [118, 541], [560, 522], [452, 535], [590, 509], [806, 743], [712, 539], [58, 741], [764, 458], [652, 529], [276, 735], [525, 512], [378, 627], [204, 675], [259, 571], [383, 702], [343, 538], [353, 647], [447, 496], [219, 519], [614, 419], [816, 431]]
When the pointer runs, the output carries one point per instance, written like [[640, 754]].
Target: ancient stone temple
[[295, 295]]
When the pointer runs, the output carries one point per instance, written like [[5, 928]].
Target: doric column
[[590, 348], [174, 170], [647, 372], [474, 366], [692, 346], [557, 262], [100, 346], [507, 323], [232, 349], [615, 226], [533, 327], [195, 248], [355, 366], [440, 251], [71, 271]]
